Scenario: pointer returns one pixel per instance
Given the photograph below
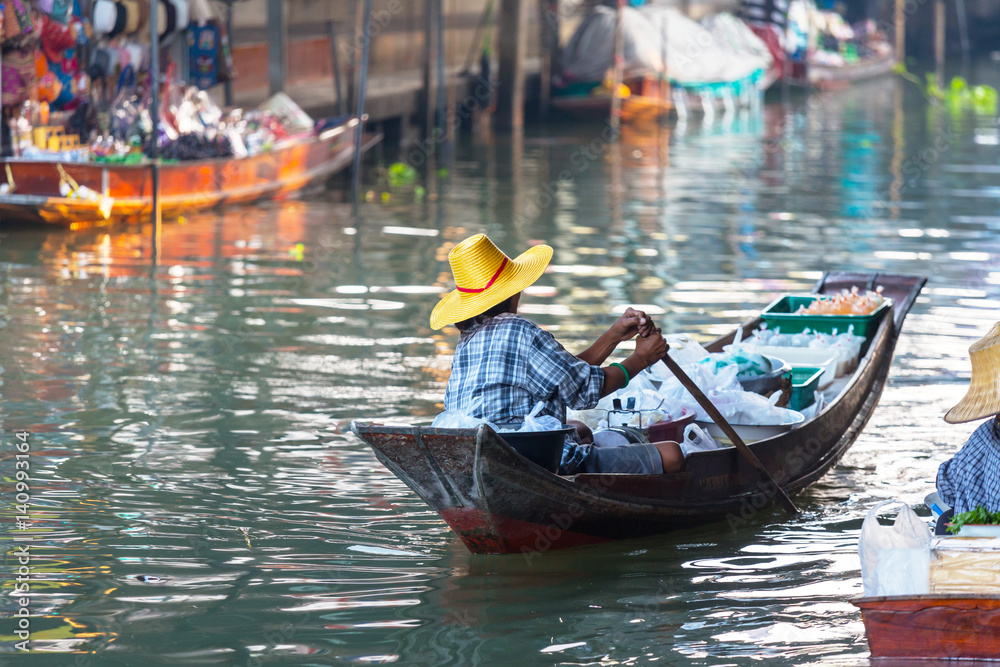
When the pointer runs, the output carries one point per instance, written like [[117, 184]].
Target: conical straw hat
[[983, 398], [485, 276]]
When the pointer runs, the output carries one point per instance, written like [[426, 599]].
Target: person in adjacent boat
[[504, 364], [972, 477]]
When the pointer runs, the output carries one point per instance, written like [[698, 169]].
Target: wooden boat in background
[[645, 102], [498, 502], [185, 187], [838, 77], [932, 626]]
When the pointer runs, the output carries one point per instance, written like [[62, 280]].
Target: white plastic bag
[[460, 419], [696, 439], [896, 559], [534, 422]]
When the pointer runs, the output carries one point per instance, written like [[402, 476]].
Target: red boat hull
[[932, 626]]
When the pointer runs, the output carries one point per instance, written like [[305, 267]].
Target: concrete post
[[510, 99], [277, 45]]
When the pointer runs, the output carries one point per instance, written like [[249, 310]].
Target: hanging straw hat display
[[176, 19], [166, 18], [983, 398], [143, 16], [183, 14], [104, 16], [121, 17], [485, 277], [132, 16]]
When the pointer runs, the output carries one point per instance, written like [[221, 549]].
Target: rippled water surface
[[198, 498]]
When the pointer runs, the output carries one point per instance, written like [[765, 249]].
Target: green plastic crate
[[805, 381], [781, 313]]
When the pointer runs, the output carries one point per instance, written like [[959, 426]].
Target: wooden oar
[[726, 427]]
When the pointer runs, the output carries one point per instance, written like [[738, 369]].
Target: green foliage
[[402, 175], [978, 516], [959, 96]]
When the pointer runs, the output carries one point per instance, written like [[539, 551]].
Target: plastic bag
[[696, 439], [535, 422], [685, 350], [895, 560], [461, 419]]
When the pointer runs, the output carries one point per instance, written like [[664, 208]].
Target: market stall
[[79, 139], [817, 47]]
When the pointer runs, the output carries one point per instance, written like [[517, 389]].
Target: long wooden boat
[[646, 102], [498, 502], [932, 626], [185, 187], [838, 77]]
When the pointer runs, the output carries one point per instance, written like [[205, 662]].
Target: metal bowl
[[752, 432], [769, 382]]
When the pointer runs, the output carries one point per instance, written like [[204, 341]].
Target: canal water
[[197, 497]]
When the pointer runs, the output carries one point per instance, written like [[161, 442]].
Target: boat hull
[[648, 102], [185, 187], [831, 77], [932, 626], [498, 503]]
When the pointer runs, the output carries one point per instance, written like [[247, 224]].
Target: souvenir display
[[98, 109]]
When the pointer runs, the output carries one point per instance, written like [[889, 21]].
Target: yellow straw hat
[[983, 398], [484, 277]]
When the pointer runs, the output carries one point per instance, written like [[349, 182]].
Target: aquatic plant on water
[[958, 96]]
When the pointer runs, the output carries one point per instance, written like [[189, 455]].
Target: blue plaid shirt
[[512, 364], [972, 477]]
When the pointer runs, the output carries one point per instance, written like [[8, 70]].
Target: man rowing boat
[[504, 364]]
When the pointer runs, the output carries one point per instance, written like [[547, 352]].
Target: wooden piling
[[510, 93], [619, 63], [228, 86], [430, 58], [550, 50], [900, 31], [939, 41], [277, 45], [338, 88]]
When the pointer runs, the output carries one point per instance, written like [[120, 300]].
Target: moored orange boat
[[184, 186]]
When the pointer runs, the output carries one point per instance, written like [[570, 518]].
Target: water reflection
[[200, 502]]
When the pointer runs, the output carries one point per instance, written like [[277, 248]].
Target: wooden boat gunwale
[[498, 503], [836, 77]]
